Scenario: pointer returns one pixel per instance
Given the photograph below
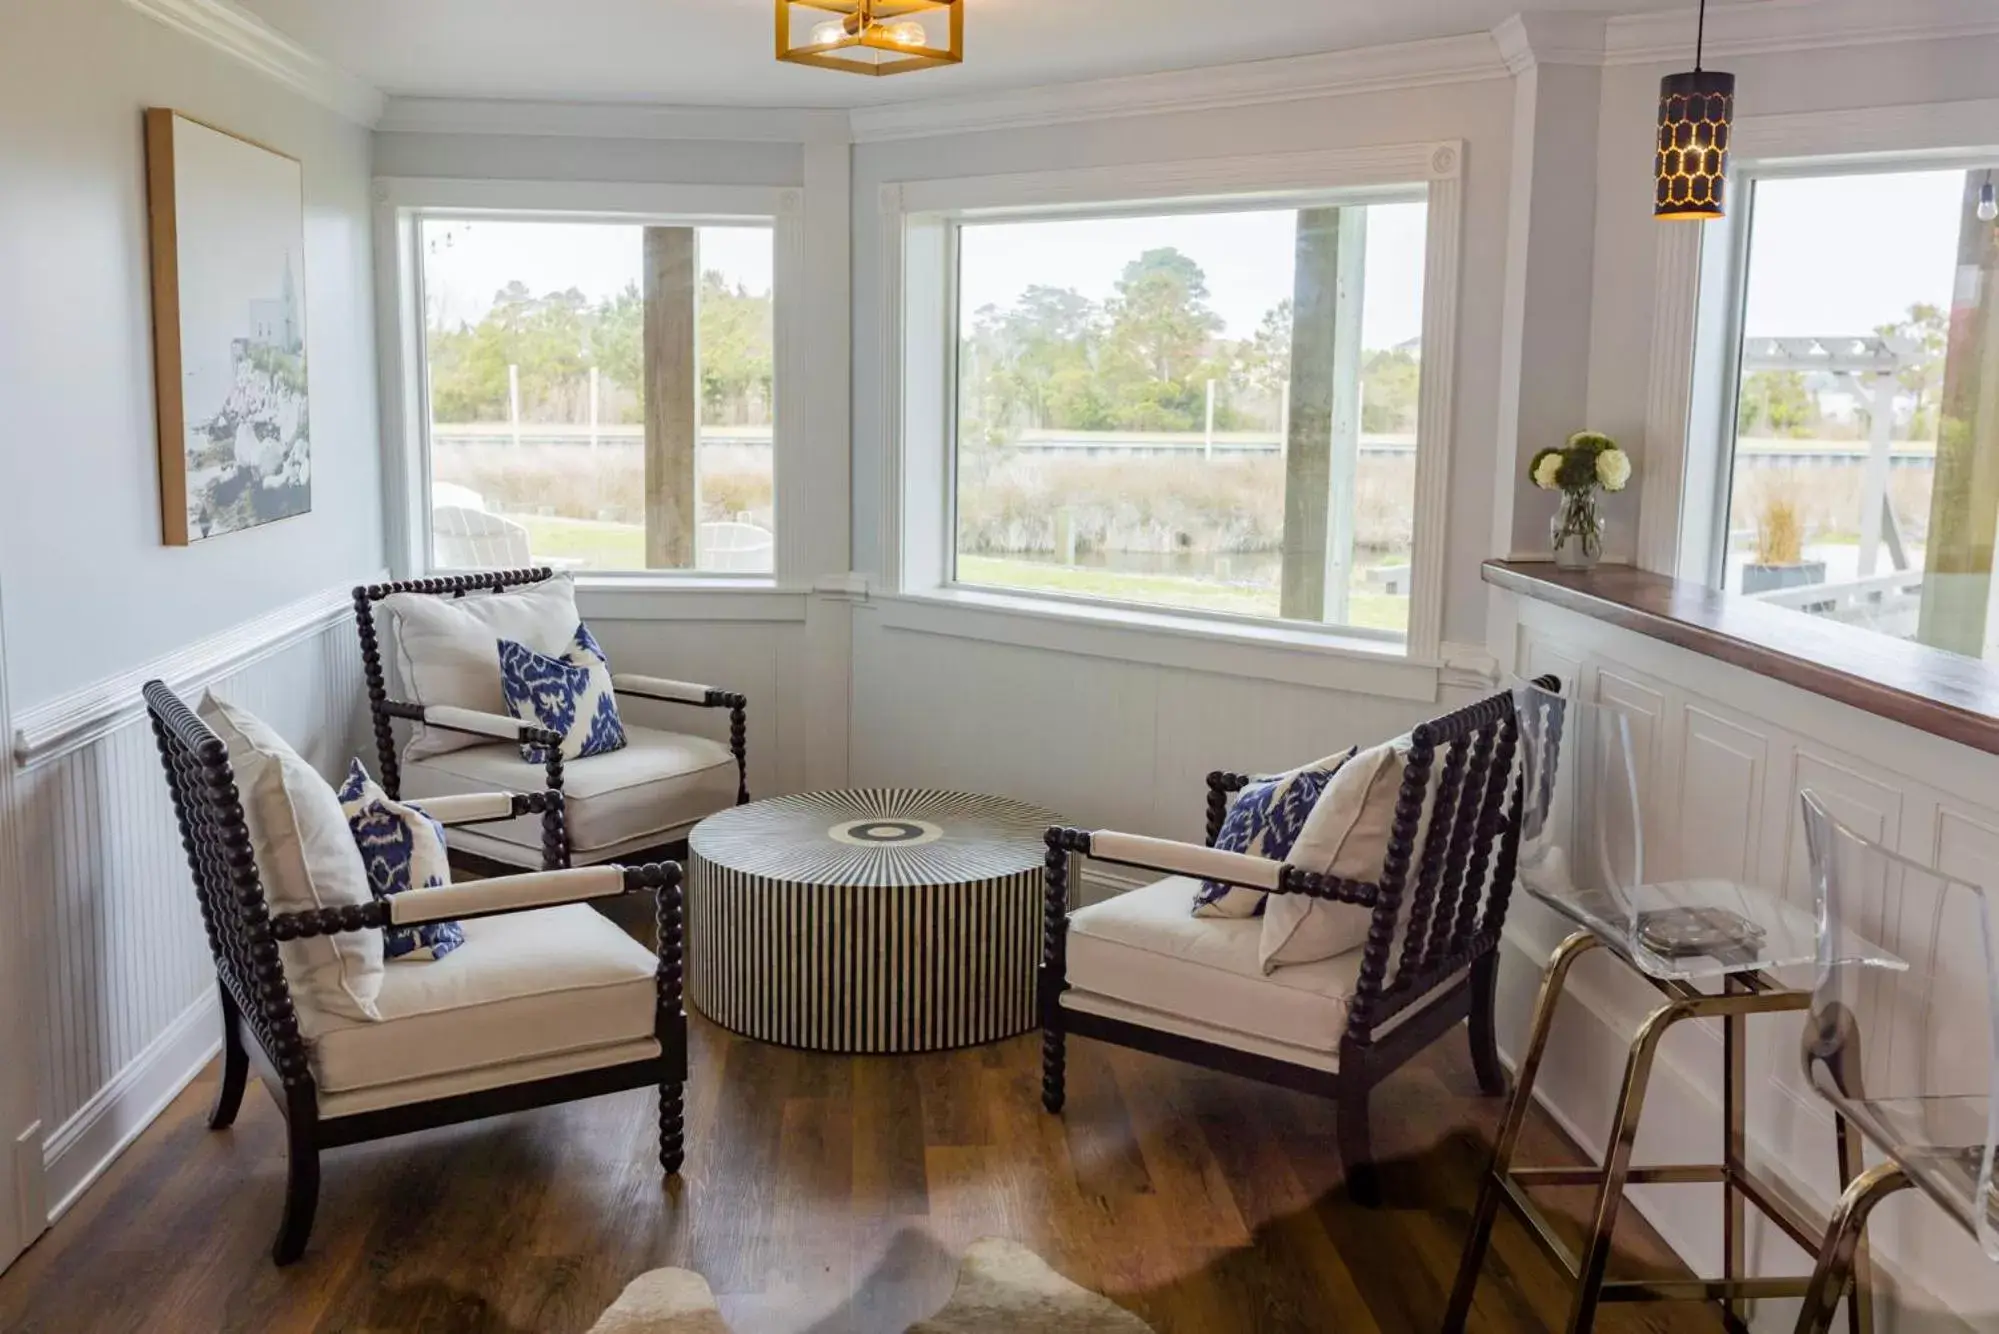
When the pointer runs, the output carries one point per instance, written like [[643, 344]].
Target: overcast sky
[[1845, 254], [1830, 255]]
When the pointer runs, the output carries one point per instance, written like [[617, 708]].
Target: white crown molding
[[611, 120], [58, 726], [1250, 83], [236, 32], [1527, 40], [1765, 26]]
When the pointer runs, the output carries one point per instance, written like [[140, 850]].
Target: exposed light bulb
[[829, 32], [1988, 203], [907, 33]]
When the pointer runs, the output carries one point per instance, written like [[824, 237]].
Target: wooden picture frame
[[227, 231]]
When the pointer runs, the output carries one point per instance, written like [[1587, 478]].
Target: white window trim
[[916, 324], [1702, 266], [401, 201]]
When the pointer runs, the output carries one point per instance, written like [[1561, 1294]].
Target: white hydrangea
[[1547, 470], [1613, 469]]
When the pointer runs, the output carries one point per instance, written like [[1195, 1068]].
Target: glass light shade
[[870, 36], [1988, 203], [1696, 110]]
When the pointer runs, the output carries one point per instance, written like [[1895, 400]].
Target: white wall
[[118, 986], [90, 589], [1118, 728], [552, 157]]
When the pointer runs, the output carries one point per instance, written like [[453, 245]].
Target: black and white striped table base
[[884, 920]]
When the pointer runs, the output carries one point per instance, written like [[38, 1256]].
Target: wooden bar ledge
[[1932, 690]]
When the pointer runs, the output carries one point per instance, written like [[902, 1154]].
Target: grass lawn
[[1366, 607], [598, 546]]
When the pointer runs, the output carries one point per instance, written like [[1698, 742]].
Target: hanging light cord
[[1700, 36]]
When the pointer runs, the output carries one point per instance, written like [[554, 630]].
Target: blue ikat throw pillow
[[1264, 822], [570, 696], [403, 849]]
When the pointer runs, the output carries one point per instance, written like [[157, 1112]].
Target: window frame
[[1703, 269], [919, 229], [403, 204], [1716, 385]]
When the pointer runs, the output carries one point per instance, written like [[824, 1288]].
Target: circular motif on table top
[[876, 833], [876, 836]]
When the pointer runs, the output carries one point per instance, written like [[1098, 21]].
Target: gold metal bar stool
[[1582, 854]]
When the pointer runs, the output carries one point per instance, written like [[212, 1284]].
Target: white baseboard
[[90, 1141]]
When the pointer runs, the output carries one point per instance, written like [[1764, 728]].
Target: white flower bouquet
[[1588, 463]]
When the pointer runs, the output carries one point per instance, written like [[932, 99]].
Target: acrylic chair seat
[[1681, 930]]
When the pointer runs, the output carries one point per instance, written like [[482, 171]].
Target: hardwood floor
[[824, 1194]]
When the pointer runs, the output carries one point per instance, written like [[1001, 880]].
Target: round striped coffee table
[[882, 920]]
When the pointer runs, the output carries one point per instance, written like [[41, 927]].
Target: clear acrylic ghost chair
[[1706, 944], [1902, 1040]]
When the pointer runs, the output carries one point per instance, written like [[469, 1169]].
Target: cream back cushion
[[1345, 835], [306, 859], [448, 649]]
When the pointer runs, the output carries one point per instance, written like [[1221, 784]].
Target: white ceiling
[[686, 52]]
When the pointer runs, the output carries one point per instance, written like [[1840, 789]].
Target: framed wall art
[[228, 255]]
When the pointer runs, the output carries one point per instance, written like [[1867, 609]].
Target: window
[[600, 395], [1211, 411], [1862, 478]]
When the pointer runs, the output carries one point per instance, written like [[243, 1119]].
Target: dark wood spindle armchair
[[634, 1034], [637, 803], [1430, 958]]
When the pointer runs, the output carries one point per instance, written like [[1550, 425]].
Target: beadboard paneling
[[1724, 756], [1107, 742], [125, 979]]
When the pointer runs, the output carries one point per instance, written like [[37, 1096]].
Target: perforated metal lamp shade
[[861, 36], [1695, 114]]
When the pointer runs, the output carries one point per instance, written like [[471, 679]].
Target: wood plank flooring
[[824, 1194]]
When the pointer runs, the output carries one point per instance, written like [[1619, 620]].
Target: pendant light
[[1691, 165], [1988, 200]]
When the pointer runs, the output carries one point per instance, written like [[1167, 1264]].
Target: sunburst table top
[[885, 837]]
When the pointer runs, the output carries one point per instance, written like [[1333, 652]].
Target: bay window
[[593, 377], [1211, 391], [1207, 410]]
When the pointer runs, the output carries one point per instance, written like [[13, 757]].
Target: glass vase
[[1577, 531]]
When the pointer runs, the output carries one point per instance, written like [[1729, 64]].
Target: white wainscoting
[[1109, 742], [124, 979], [1723, 755], [788, 651]]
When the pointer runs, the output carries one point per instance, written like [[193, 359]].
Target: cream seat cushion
[[660, 781], [1145, 950], [525, 988]]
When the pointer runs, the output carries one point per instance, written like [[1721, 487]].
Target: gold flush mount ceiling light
[[871, 36]]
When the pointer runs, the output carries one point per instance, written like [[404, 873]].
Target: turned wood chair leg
[[672, 1126], [235, 1065], [1483, 1026], [301, 1181], [1054, 1067], [1356, 1140]]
